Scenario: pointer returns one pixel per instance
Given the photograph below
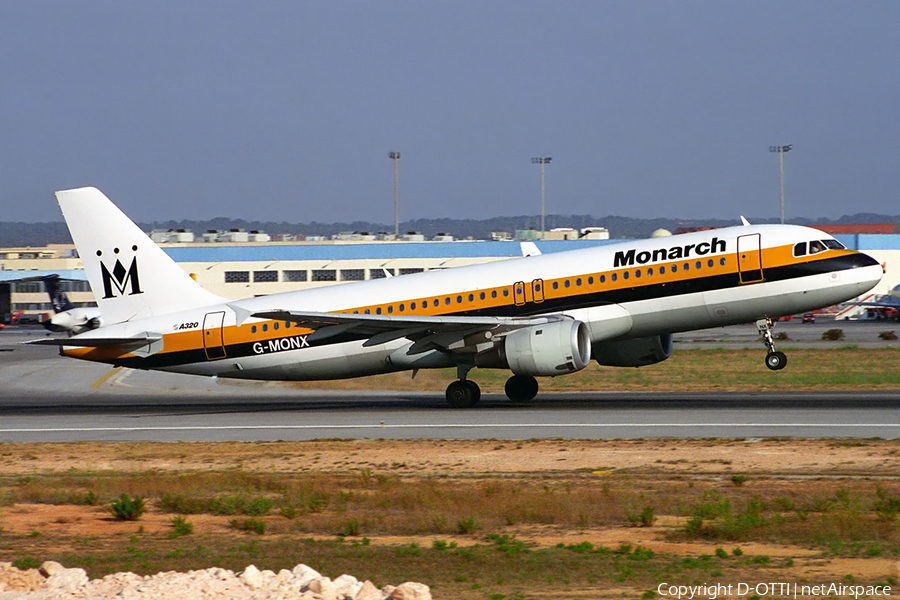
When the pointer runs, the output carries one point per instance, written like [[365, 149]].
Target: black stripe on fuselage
[[645, 291]]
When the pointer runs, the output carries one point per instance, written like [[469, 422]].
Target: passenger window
[[612, 277], [493, 293], [481, 295], [625, 275], [275, 326], [436, 302], [402, 308], [265, 326], [709, 263], [698, 265], [471, 297], [378, 311], [722, 261], [459, 299], [578, 282], [637, 273], [447, 300], [662, 270], [674, 268], [505, 292], [566, 283], [253, 329], [555, 285], [390, 308], [591, 280], [412, 306], [367, 311], [650, 272], [603, 279], [687, 266]]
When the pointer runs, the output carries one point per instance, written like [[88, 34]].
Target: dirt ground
[[779, 460]]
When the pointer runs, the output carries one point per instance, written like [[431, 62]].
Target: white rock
[[411, 591], [368, 591], [347, 586], [252, 578], [324, 588], [303, 575], [67, 580], [50, 568]]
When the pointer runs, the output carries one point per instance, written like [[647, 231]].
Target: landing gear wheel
[[463, 394], [476, 391], [776, 360], [521, 388]]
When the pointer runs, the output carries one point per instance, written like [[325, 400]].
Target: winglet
[[529, 249]]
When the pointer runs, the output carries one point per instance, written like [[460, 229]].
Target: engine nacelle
[[637, 352], [552, 349]]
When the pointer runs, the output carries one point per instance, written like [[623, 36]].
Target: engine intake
[[552, 349], [636, 352]]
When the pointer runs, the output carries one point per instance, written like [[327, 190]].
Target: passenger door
[[212, 335], [749, 258]]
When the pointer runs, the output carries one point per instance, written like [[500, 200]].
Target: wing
[[457, 334]]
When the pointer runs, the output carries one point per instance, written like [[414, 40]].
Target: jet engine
[[554, 348], [636, 352]]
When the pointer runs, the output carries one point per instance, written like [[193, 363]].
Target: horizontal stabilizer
[[145, 344]]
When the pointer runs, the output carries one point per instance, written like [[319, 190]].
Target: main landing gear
[[521, 388], [774, 360], [463, 393]]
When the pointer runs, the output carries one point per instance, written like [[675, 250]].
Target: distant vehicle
[[809, 317]]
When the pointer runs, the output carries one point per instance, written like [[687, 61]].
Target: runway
[[47, 398]]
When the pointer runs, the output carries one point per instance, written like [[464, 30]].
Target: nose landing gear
[[774, 360]]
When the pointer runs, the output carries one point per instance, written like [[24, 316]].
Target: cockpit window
[[834, 245], [800, 249], [816, 246]]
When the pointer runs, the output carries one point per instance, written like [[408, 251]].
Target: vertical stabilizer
[[58, 297], [130, 275]]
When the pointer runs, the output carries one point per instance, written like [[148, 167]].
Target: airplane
[[67, 317], [535, 316], [882, 308]]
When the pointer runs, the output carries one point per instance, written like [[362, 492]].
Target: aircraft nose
[[874, 270]]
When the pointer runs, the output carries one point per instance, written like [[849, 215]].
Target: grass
[[843, 368], [469, 543]]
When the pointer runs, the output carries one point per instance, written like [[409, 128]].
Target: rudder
[[130, 275]]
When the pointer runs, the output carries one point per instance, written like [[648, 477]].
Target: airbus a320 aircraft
[[536, 316]]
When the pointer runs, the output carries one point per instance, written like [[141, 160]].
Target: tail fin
[[58, 298], [130, 275]]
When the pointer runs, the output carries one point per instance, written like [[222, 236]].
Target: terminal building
[[242, 269]]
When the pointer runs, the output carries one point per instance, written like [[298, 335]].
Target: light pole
[[395, 156], [542, 162], [781, 150]]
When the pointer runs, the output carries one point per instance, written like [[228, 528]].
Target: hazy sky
[[287, 110]]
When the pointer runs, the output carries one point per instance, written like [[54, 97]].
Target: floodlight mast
[[781, 150], [542, 161], [395, 156]]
